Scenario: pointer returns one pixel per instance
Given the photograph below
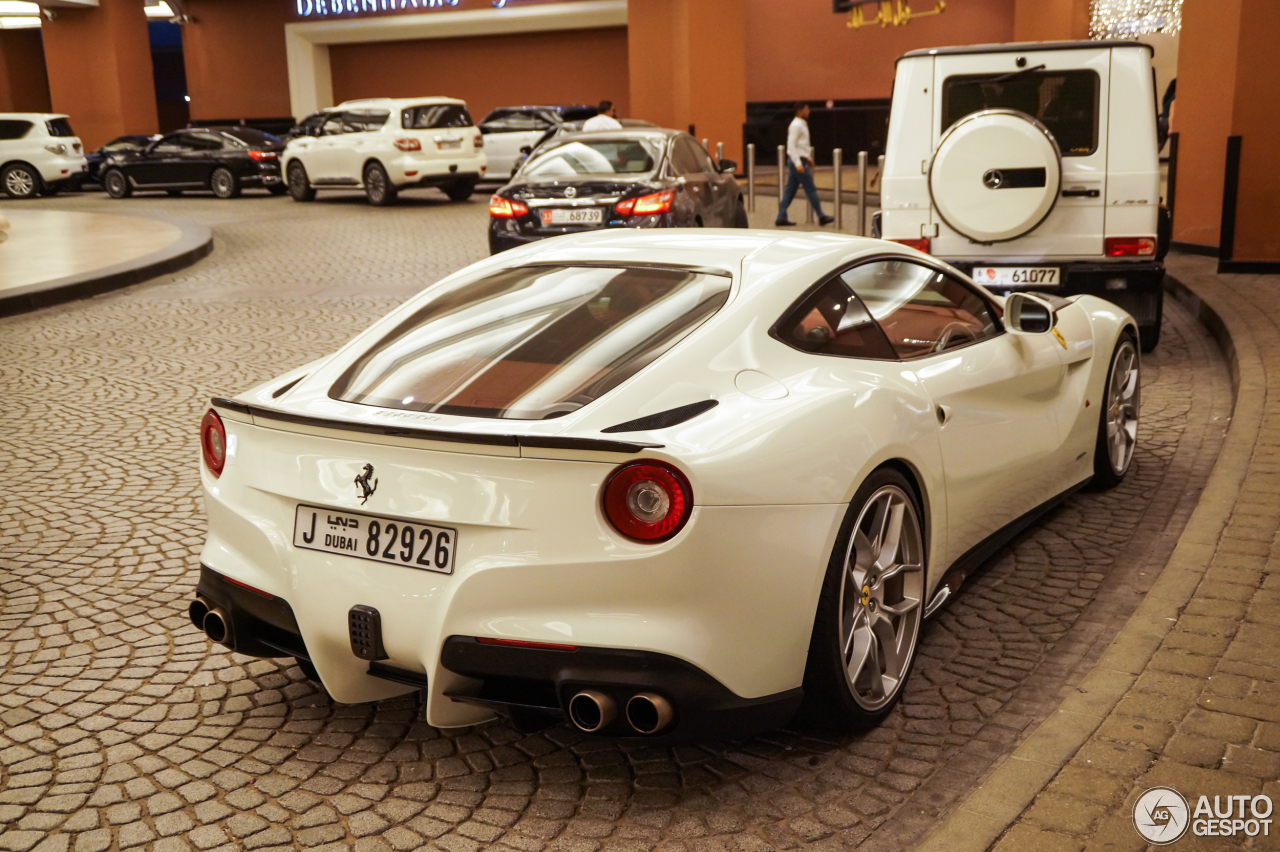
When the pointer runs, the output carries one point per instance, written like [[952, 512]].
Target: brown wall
[[800, 49], [1051, 20], [235, 58], [568, 66], [1255, 119], [99, 65], [24, 85]]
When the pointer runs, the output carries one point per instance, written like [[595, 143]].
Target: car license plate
[[1016, 276], [448, 144], [422, 546], [581, 216]]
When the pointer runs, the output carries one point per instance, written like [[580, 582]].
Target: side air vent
[[663, 419], [284, 389]]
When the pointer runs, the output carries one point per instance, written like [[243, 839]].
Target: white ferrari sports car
[[679, 484]]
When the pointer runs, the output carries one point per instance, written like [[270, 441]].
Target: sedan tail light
[[645, 205], [1131, 246], [505, 208], [263, 156], [919, 244], [409, 144], [648, 501], [213, 442]]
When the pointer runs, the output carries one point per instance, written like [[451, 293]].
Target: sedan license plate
[[422, 546], [582, 216], [1016, 276]]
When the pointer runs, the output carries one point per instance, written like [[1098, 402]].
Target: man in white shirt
[[800, 169], [605, 119]]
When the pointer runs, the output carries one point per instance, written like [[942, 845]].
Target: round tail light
[[648, 501], [213, 442]]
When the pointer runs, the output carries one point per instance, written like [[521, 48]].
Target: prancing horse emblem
[[366, 488]]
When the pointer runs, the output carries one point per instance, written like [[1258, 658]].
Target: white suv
[[1032, 167], [385, 145], [39, 154]]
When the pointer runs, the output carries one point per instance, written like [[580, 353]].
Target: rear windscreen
[[435, 115], [1065, 102], [596, 156], [533, 342], [252, 137], [60, 127]]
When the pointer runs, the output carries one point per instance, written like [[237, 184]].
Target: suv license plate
[[1016, 276], [584, 216], [421, 546], [448, 144]]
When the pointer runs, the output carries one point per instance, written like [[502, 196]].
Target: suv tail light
[[59, 148], [263, 156], [919, 244], [408, 144], [1131, 246], [505, 208], [648, 501], [213, 442], [646, 205], [478, 141]]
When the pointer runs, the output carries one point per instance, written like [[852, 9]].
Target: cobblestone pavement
[[121, 727], [1201, 713]]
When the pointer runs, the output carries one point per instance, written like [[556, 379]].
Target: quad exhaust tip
[[217, 626], [197, 610], [592, 711], [649, 713]]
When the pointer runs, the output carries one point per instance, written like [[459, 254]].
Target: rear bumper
[[63, 172], [262, 625], [507, 234], [1137, 287], [410, 170]]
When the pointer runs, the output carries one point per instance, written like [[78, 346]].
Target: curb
[[978, 821], [195, 243]]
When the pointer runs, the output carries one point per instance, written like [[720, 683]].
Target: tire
[[174, 193], [277, 189], [868, 600], [223, 183], [1118, 415], [21, 181], [377, 186], [460, 191], [740, 219], [308, 669], [300, 188], [116, 184]]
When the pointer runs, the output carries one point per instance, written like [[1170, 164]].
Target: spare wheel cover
[[996, 175]]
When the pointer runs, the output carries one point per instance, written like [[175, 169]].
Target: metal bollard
[[705, 145], [862, 193], [719, 152], [782, 175], [751, 177], [837, 163]]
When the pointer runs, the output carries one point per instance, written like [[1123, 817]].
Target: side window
[[335, 125], [512, 121], [366, 121], [200, 141], [14, 129], [174, 143], [833, 321], [704, 159], [921, 310], [684, 160]]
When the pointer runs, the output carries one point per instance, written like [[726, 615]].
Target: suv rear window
[[435, 115], [1066, 102], [14, 129], [532, 343], [59, 127]]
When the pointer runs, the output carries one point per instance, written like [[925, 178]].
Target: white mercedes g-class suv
[[1032, 167], [39, 154], [384, 145]]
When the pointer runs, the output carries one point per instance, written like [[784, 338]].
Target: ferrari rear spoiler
[[546, 442]]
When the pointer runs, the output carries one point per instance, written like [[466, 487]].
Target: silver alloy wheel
[[375, 184], [1124, 396], [881, 591], [223, 183], [297, 178], [20, 183], [115, 184]]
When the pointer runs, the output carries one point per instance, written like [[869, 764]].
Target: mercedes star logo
[[570, 192], [992, 179]]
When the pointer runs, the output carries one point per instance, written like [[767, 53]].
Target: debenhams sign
[[327, 8]]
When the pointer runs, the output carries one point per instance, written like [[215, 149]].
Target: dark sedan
[[115, 146], [221, 160], [616, 179]]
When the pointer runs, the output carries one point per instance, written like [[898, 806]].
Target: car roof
[[1024, 47], [399, 103], [624, 133], [31, 116], [556, 107]]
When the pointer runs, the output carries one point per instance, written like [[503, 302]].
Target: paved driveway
[[122, 727]]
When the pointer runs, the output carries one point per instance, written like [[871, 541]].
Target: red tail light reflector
[[253, 589], [263, 156], [648, 501], [1131, 246], [478, 141], [920, 244], [213, 442], [408, 144], [658, 202], [524, 643], [505, 208]]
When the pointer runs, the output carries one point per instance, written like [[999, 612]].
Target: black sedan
[[115, 146], [221, 160], [617, 179]]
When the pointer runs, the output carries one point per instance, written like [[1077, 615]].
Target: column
[[99, 65], [687, 66], [23, 84]]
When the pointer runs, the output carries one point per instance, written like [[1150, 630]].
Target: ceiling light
[[14, 7], [19, 23], [1129, 18], [160, 10]]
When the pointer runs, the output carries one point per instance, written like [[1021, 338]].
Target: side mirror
[[526, 149], [1028, 314], [728, 167]]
